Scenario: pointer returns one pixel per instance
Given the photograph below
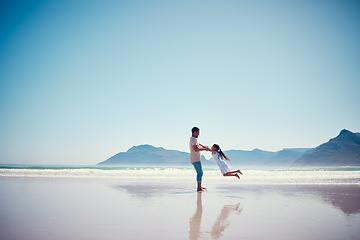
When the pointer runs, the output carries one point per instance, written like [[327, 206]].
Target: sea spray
[[187, 174]]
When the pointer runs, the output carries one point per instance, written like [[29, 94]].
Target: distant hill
[[149, 155], [288, 156], [256, 157], [343, 150]]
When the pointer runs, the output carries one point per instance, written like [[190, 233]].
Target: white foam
[[177, 174]]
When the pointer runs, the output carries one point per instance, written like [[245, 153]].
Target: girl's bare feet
[[237, 176], [239, 171]]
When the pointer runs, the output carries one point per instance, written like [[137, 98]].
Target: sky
[[81, 81]]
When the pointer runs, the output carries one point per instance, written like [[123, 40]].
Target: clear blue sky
[[83, 80]]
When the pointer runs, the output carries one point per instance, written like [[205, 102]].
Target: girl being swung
[[220, 158]]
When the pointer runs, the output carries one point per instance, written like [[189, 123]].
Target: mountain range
[[343, 150], [144, 155]]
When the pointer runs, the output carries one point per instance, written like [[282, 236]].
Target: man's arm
[[202, 148], [206, 147]]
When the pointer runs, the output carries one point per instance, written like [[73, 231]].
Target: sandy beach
[[58, 208]]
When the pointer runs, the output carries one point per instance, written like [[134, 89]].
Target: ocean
[[339, 175]]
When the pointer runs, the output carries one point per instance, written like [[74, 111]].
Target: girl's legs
[[233, 173], [237, 171]]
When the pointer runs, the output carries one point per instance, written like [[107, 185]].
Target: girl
[[219, 157]]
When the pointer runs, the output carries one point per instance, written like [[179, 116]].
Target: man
[[195, 157]]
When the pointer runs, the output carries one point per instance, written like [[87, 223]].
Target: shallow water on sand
[[42, 208]]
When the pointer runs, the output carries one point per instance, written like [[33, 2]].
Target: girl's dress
[[224, 168]]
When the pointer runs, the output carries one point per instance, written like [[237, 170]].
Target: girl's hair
[[221, 154]]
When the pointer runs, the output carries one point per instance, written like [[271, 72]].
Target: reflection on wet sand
[[345, 198], [220, 224], [222, 221], [195, 220], [143, 191]]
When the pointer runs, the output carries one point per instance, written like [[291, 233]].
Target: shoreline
[[187, 175]]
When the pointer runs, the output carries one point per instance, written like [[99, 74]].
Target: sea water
[[342, 175]]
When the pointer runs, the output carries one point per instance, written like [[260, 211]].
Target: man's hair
[[195, 129]]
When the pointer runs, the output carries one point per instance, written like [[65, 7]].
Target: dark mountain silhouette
[[286, 156], [149, 155], [254, 157], [343, 150]]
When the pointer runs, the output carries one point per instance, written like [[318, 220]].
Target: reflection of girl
[[219, 157], [222, 222]]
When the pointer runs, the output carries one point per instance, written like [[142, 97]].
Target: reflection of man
[[195, 221], [195, 157]]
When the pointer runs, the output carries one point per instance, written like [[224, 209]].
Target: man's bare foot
[[202, 189]]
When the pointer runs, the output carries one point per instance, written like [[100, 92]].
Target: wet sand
[[36, 209]]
